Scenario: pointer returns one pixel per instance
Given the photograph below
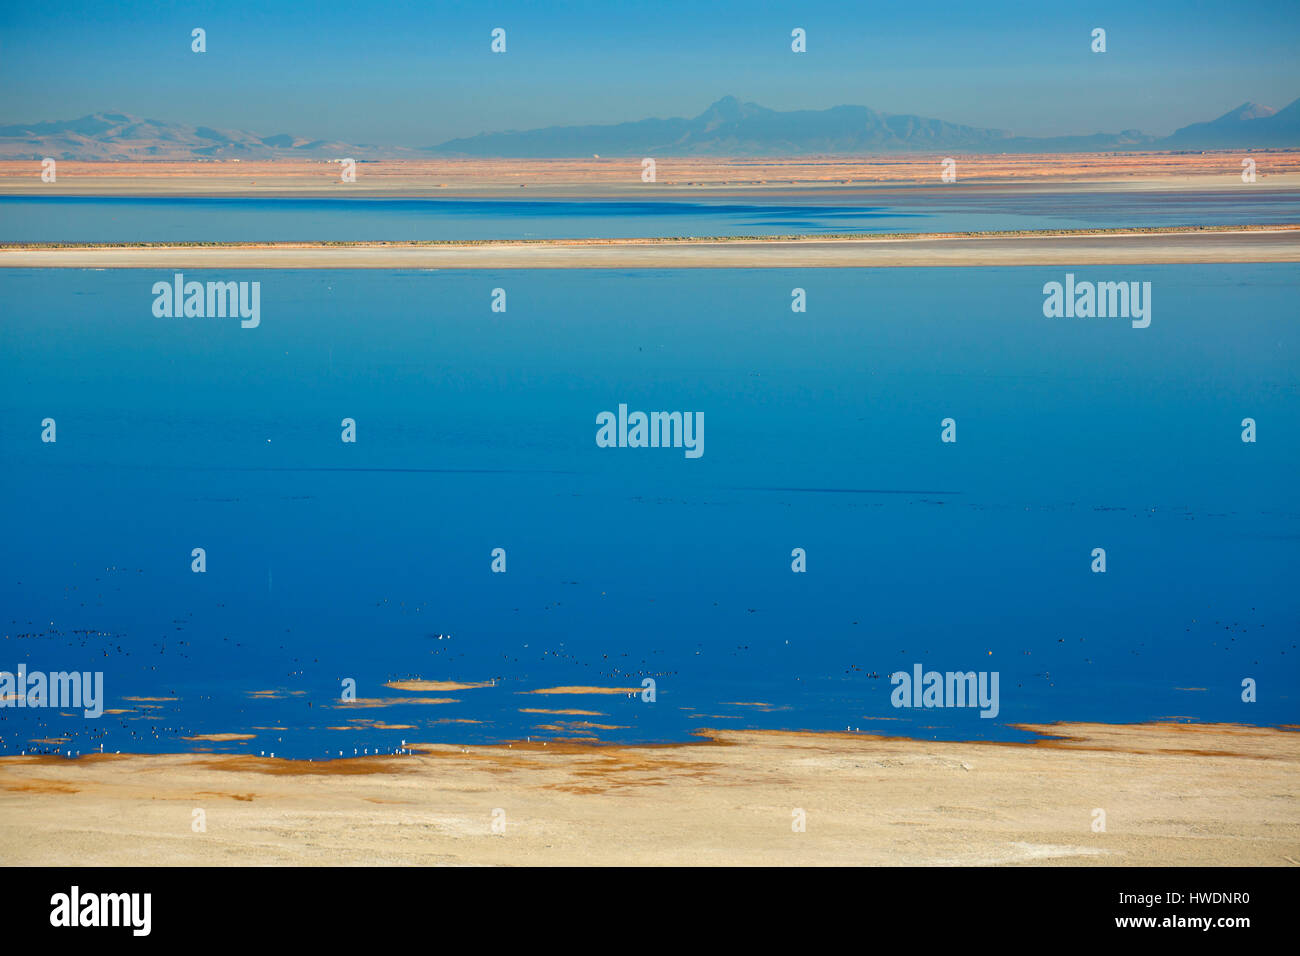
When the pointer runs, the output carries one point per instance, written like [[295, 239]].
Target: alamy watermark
[[75, 908], [654, 430], [211, 300], [951, 689], [1084, 300], [60, 689]]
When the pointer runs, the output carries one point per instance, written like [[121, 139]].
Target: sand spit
[[1173, 794], [1192, 246], [434, 685], [583, 689]]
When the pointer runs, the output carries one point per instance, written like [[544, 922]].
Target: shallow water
[[476, 430], [94, 219]]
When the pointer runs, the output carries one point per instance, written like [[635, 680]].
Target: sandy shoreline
[[1173, 794], [1265, 244]]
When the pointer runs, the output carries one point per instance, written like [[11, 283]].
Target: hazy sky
[[417, 73]]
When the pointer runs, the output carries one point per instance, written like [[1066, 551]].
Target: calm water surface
[[68, 219], [476, 430]]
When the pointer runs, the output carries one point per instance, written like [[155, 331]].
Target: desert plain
[[1168, 794], [840, 178]]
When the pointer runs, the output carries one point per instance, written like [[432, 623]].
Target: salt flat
[[1168, 794]]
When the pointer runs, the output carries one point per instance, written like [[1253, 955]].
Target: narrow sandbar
[[1049, 248]]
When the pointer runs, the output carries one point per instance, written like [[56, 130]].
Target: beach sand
[[1173, 794], [1262, 244]]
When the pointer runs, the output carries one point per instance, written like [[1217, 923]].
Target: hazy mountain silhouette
[[727, 128], [730, 127], [1247, 126], [109, 136]]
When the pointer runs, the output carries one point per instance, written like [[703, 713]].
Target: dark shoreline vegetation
[[670, 240]]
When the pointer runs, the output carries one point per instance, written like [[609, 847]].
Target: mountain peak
[[1250, 125], [1247, 111], [729, 109]]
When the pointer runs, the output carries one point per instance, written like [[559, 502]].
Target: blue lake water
[[69, 219], [476, 430]]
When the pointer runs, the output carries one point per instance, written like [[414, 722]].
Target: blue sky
[[418, 73]]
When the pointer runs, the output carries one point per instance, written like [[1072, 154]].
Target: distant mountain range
[[727, 128], [1248, 125], [109, 136]]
